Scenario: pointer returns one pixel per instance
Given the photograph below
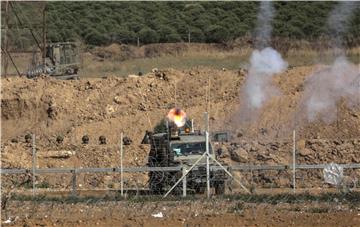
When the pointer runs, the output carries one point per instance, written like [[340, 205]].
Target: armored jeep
[[181, 147]]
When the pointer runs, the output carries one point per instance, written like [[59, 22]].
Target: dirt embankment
[[109, 106], [127, 52]]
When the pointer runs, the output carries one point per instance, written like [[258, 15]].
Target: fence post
[[73, 182], [121, 166], [207, 164], [33, 164], [206, 118], [184, 180], [294, 162]]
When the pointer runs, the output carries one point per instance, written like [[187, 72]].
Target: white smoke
[[324, 89], [338, 21], [264, 65], [265, 62], [264, 24]]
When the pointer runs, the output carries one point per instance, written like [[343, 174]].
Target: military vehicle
[[62, 61], [181, 146]]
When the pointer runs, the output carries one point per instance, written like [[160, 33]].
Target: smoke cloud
[[264, 65], [325, 88], [338, 21], [265, 62], [264, 25]]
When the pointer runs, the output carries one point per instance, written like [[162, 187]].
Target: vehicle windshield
[[189, 148]]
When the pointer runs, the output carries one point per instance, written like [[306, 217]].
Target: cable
[[12, 61], [31, 30]]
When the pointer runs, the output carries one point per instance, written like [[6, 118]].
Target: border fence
[[229, 169]]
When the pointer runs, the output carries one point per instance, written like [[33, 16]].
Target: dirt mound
[[106, 107], [118, 52]]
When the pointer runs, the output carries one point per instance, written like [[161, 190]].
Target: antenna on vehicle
[[207, 112], [175, 95], [192, 125], [208, 107], [206, 119]]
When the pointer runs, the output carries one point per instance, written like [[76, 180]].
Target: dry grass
[[22, 62], [188, 57], [183, 61], [233, 59]]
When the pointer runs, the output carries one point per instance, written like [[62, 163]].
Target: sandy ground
[[215, 212]]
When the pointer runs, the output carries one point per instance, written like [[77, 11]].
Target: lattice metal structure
[[23, 34]]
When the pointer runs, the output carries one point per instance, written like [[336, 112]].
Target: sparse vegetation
[[232, 60], [43, 184], [352, 198], [319, 210], [237, 208]]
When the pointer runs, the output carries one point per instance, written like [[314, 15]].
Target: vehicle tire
[[220, 188]]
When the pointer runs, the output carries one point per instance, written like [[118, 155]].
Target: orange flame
[[177, 116]]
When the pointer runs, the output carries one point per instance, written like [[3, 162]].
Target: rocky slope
[[106, 107]]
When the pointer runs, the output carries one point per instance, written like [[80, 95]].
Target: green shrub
[[147, 35], [43, 184], [216, 34]]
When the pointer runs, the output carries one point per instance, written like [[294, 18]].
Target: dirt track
[[185, 213]]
